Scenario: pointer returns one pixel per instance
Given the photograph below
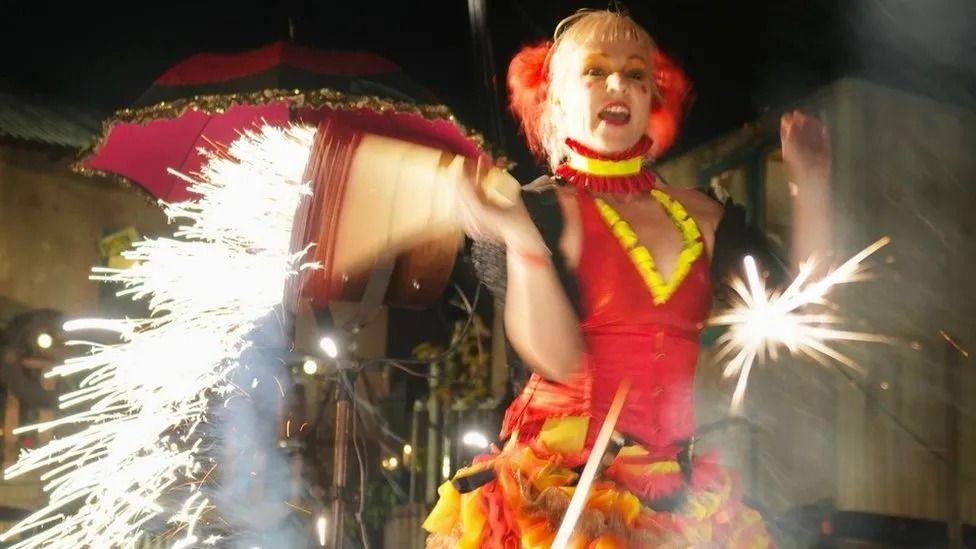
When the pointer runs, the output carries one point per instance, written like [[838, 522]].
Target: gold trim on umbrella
[[218, 103]]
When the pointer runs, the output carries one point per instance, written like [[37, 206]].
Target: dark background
[[743, 56]]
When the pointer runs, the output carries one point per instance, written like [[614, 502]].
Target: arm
[[540, 320], [806, 153]]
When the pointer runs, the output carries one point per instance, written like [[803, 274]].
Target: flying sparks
[[761, 321], [144, 398]]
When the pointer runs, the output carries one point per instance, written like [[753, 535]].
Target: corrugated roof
[[44, 120]]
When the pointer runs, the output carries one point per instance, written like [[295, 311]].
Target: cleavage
[[655, 231]]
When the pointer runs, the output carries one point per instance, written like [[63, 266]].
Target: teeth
[[617, 109]]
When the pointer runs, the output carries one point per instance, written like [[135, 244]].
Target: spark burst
[[760, 321], [144, 398]]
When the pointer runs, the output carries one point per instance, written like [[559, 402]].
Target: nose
[[616, 82]]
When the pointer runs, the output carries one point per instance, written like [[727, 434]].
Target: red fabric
[[206, 68], [638, 149], [638, 182], [143, 152], [528, 89], [647, 486], [501, 529], [626, 335]]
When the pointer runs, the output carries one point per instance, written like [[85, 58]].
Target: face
[[603, 91]]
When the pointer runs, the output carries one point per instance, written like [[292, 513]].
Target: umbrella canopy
[[208, 99]]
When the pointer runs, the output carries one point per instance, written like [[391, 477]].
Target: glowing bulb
[[407, 450], [320, 529], [475, 440], [390, 463], [446, 467], [44, 341], [310, 367], [329, 347]]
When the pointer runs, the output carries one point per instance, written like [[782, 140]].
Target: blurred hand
[[806, 148], [481, 219]]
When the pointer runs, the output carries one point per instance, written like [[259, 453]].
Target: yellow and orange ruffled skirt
[[523, 505]]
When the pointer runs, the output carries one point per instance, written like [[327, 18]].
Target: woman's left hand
[[806, 148]]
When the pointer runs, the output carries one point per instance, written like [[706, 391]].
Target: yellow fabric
[[474, 518], [446, 512], [594, 166], [660, 289], [564, 435]]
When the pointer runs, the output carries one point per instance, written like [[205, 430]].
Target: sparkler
[[761, 321], [136, 437]]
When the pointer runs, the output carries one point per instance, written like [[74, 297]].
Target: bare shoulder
[[702, 207]]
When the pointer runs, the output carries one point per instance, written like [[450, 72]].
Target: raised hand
[[806, 148]]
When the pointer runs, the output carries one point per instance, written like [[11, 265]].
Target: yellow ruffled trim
[[661, 289]]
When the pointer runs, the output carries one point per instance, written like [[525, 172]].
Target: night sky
[[743, 56]]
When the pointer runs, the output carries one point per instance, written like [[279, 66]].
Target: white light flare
[[320, 529], [761, 320], [134, 436], [329, 346], [446, 467], [44, 340], [475, 439]]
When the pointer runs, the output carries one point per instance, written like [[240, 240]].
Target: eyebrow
[[637, 58]]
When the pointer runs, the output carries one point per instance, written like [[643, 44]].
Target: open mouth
[[617, 114]]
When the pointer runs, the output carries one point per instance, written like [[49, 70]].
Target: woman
[[623, 294]]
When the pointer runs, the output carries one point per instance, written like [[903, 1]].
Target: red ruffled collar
[[638, 149], [639, 182]]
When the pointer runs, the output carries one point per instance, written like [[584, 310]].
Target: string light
[[44, 340]]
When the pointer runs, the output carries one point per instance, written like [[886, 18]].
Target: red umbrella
[[209, 98]]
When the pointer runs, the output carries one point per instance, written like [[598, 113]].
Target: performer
[[614, 283]]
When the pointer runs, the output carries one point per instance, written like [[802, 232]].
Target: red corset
[[626, 335]]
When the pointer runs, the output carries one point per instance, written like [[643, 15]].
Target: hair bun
[[528, 88], [674, 96]]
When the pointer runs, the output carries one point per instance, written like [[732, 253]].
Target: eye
[[594, 71], [636, 75]]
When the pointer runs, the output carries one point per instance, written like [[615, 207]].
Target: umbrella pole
[[339, 464]]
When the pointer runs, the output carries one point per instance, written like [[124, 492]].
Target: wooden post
[[339, 465], [432, 469], [411, 463]]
